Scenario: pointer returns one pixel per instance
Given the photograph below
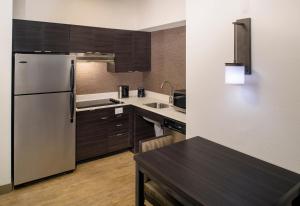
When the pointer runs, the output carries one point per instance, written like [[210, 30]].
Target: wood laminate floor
[[109, 181]]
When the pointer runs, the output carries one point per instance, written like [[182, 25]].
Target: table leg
[[139, 196]]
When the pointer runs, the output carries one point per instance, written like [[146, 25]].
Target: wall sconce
[[235, 72]]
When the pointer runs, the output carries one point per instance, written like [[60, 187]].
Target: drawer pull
[[119, 125], [120, 134], [118, 116], [104, 118]]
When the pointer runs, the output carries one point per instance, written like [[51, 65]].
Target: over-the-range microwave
[[179, 100]]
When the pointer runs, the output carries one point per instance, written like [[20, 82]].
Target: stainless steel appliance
[[44, 121], [123, 91], [179, 100], [97, 103]]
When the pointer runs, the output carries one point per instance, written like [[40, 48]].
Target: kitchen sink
[[157, 105]]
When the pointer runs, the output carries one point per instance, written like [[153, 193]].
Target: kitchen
[[104, 59], [91, 93], [104, 103]]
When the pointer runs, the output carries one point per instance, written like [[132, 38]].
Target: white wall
[[5, 91], [152, 13], [122, 14], [99, 13], [261, 118]]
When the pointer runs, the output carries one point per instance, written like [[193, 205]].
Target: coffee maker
[[123, 91], [141, 92]]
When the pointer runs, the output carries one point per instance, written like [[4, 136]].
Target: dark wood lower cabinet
[[91, 135], [100, 132], [118, 141]]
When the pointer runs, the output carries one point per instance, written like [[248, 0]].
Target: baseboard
[[5, 189]]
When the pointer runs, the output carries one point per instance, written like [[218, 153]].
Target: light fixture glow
[[234, 73]]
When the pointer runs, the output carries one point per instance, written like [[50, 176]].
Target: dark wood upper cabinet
[[56, 37], [132, 49], [27, 36], [91, 39], [142, 51], [81, 39], [103, 40], [123, 49], [32, 36]]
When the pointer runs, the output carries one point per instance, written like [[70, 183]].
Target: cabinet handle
[[48, 51], [104, 118], [120, 134], [119, 125], [119, 115], [37, 51]]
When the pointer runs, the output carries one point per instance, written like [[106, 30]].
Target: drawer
[[118, 141], [118, 125], [121, 116], [100, 115]]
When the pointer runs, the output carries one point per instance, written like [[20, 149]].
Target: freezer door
[[41, 73], [44, 136]]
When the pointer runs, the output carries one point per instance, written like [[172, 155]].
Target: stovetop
[[97, 103]]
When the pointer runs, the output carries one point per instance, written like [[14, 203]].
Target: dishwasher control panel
[[175, 125]]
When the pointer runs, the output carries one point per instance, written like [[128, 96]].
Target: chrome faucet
[[171, 91]]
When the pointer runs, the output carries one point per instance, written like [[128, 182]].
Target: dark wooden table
[[201, 172]]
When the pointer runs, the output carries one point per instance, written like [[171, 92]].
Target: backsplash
[[168, 60], [92, 77]]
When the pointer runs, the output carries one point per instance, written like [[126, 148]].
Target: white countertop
[[135, 101]]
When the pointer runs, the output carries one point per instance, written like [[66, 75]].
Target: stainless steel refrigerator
[[44, 121]]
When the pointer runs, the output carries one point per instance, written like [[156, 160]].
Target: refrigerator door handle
[[72, 76], [72, 106]]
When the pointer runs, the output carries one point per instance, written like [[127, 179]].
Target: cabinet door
[[27, 36], [81, 39], [56, 37], [104, 40], [120, 124], [118, 141], [142, 51], [123, 48], [92, 134]]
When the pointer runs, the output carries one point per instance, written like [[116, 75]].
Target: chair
[[153, 193]]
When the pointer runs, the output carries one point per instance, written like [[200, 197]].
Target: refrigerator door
[[44, 136], [40, 73]]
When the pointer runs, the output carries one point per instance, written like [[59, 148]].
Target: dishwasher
[[175, 128]]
